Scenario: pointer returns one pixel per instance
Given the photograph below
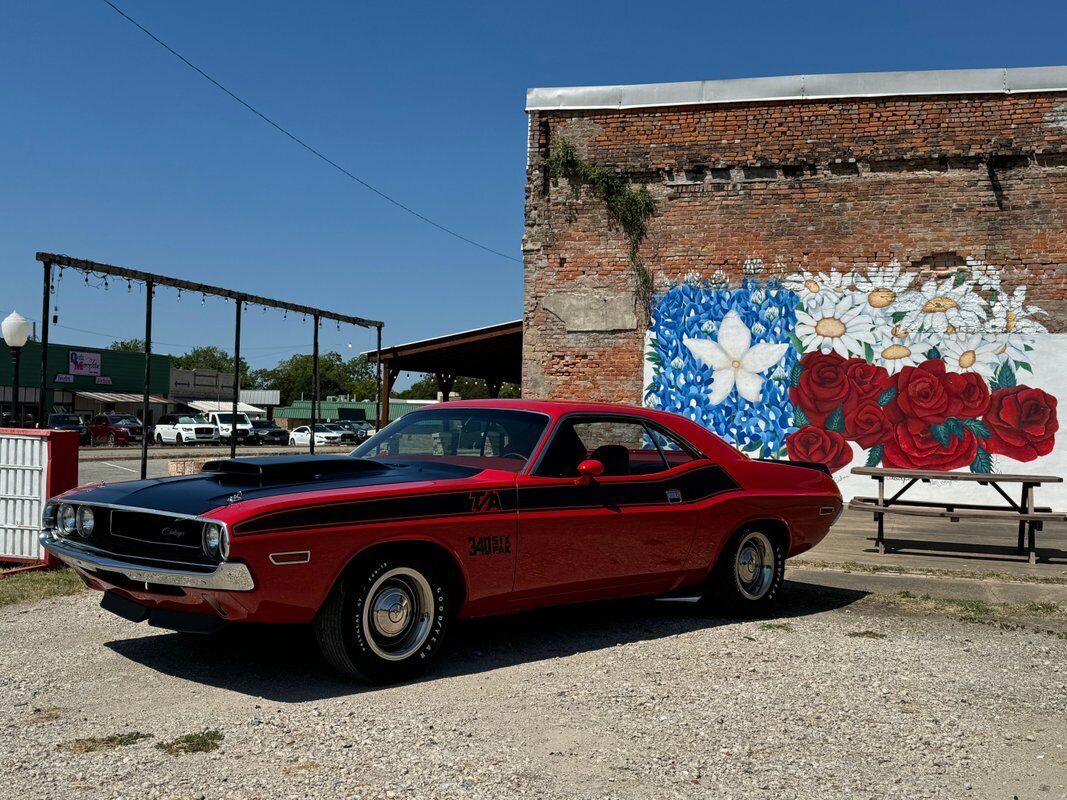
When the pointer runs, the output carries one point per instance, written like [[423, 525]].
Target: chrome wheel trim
[[754, 565], [398, 614]]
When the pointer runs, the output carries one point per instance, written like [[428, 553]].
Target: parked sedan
[[461, 509], [360, 427], [347, 436], [266, 431], [70, 422], [323, 435], [115, 429]]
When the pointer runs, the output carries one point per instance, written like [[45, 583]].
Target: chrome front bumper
[[231, 576]]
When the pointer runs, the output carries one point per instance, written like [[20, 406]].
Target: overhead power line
[[318, 154]]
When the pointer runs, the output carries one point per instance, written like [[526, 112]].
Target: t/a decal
[[485, 501], [489, 545]]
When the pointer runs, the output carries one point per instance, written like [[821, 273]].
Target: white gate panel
[[23, 491]]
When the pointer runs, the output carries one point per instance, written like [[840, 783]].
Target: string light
[[179, 295], [129, 287]]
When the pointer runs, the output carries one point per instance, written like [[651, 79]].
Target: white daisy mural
[[943, 307], [913, 371], [840, 324]]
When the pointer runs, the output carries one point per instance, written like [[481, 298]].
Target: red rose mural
[[823, 386], [1022, 422], [812, 443], [912, 445]]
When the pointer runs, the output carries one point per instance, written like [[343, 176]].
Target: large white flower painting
[[736, 361]]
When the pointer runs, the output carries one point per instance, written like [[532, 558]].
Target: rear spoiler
[[815, 465]]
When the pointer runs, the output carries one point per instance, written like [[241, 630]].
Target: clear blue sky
[[115, 151]]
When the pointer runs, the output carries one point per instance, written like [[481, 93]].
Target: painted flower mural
[[913, 373]]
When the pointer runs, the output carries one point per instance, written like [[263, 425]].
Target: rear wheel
[[747, 576], [159, 439], [385, 620]]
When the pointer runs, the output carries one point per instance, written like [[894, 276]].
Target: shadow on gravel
[[281, 663]]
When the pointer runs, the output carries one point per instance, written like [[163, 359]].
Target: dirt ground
[[841, 695]]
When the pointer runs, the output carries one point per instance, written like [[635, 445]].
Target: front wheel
[[747, 576], [159, 440], [386, 620]]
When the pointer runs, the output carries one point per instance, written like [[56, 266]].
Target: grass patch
[[977, 609], [202, 742], [96, 743], [856, 566], [41, 715], [866, 635], [777, 626], [28, 587]]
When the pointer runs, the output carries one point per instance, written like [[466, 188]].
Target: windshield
[[125, 421], [190, 420], [487, 437], [64, 419], [227, 418], [264, 423]]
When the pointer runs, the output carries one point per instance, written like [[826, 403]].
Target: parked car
[[185, 429], [70, 422], [224, 421], [361, 428], [115, 428], [461, 509], [323, 435], [346, 436], [266, 431]]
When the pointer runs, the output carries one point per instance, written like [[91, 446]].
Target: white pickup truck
[[224, 421]]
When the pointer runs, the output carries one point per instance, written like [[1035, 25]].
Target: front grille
[[204, 431], [148, 535]]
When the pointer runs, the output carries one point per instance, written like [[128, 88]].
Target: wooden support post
[[149, 290], [378, 381], [389, 376], [236, 376], [445, 382]]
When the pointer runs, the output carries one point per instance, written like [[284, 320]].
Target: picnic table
[[1029, 516]]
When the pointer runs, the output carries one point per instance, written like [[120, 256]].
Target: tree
[[425, 388], [127, 346], [293, 377], [210, 357]]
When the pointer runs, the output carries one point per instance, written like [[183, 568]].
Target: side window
[[673, 451], [624, 447]]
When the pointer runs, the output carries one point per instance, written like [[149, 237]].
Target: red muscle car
[[461, 509]]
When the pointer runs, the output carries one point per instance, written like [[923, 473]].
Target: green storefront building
[[83, 380]]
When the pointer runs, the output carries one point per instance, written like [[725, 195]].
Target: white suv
[[224, 421], [185, 429]]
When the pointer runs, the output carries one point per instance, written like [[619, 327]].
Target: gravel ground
[[841, 696]]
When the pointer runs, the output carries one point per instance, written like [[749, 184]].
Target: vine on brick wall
[[628, 207]]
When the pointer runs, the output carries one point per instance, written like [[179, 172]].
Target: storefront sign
[[103, 380], [83, 363], [63, 378]]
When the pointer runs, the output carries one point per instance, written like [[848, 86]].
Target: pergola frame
[[151, 280]]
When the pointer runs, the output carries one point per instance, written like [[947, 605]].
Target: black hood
[[265, 476]]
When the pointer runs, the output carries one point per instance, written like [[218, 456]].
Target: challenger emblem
[[485, 501], [177, 533], [489, 545]]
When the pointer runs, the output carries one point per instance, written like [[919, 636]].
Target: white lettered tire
[[747, 576], [386, 619]]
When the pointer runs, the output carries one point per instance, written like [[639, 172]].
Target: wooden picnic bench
[[1030, 517]]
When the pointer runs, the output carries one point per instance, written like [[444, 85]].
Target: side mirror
[[588, 470]]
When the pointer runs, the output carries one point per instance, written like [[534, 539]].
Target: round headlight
[[212, 539], [86, 521], [67, 519]]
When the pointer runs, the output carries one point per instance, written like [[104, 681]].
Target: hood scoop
[[292, 469]]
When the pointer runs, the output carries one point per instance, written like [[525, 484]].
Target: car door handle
[[674, 496]]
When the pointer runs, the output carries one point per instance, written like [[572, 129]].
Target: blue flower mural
[[764, 314]]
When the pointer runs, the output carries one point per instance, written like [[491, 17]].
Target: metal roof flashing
[[801, 87]]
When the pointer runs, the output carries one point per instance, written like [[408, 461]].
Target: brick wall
[[810, 185]]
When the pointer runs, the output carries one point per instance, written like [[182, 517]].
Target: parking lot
[[842, 695]]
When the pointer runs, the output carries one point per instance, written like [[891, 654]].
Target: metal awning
[[207, 406], [121, 397]]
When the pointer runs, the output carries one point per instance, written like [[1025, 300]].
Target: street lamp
[[16, 330]]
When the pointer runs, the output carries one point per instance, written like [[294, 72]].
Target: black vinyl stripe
[[694, 486]]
